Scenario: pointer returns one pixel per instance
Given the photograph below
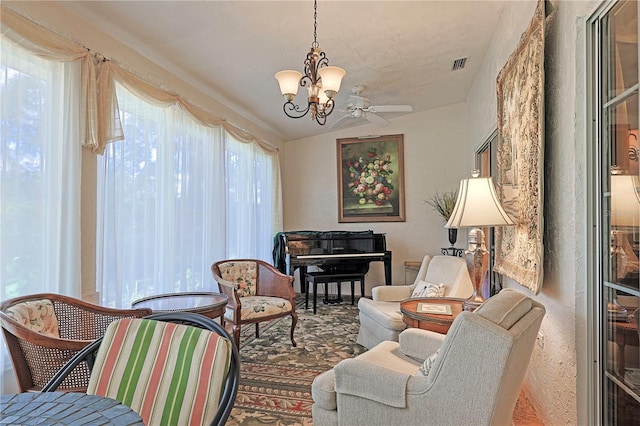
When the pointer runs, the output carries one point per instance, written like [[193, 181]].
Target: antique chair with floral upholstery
[[43, 331], [257, 292]]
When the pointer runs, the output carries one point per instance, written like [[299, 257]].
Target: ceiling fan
[[360, 107]]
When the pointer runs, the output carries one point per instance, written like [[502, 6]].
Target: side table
[[439, 323], [209, 304]]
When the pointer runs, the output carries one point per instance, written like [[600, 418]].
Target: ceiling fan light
[[331, 79], [289, 81]]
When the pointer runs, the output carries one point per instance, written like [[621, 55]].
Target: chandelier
[[321, 80]]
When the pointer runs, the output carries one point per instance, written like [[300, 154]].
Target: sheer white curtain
[[251, 200], [173, 197], [40, 160]]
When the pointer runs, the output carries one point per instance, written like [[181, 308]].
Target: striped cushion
[[170, 374]]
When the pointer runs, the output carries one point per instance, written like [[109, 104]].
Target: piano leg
[[387, 268]]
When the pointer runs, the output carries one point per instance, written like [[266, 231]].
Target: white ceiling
[[401, 51]]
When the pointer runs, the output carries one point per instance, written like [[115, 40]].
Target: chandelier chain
[[315, 24]]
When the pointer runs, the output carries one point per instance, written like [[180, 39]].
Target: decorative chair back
[[243, 273], [43, 331]]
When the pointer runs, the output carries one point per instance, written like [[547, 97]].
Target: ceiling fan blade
[[339, 121], [376, 119], [390, 108]]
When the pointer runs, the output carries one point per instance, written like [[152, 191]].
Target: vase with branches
[[444, 203]]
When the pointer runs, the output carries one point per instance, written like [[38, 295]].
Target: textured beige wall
[[557, 380], [435, 157]]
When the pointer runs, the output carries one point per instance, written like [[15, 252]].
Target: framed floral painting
[[371, 179]]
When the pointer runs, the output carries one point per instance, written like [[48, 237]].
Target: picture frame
[[371, 179], [520, 157]]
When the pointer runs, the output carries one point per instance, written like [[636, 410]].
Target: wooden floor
[[524, 414]]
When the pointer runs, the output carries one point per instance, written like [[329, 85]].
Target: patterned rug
[[275, 383]]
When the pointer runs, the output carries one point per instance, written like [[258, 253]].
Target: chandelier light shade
[[321, 80], [477, 206]]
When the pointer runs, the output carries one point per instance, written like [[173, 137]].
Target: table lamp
[[625, 214], [477, 206]]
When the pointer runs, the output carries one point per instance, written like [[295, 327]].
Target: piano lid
[[329, 243]]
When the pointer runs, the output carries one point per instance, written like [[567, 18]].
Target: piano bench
[[325, 278]]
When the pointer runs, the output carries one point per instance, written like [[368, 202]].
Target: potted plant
[[444, 204]]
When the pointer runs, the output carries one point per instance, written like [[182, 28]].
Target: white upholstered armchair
[[380, 317], [470, 376]]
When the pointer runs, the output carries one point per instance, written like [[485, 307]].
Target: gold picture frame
[[371, 179], [520, 157]]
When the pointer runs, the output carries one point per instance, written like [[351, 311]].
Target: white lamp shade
[[331, 78], [322, 97], [477, 205], [289, 81], [625, 200]]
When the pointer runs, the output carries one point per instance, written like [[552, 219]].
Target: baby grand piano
[[333, 251]]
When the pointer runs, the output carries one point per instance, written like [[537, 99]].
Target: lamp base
[[477, 264]]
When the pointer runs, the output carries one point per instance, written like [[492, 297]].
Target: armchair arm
[[391, 293], [420, 344], [229, 289], [366, 380]]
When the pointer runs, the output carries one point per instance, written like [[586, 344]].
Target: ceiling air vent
[[458, 64]]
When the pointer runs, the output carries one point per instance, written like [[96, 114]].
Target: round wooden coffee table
[[209, 304], [422, 312]]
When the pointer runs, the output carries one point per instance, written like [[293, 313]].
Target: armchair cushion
[[36, 315], [506, 310], [168, 373], [384, 314], [427, 289], [241, 273], [261, 306]]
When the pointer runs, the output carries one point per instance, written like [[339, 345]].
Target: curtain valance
[[100, 114], [48, 45]]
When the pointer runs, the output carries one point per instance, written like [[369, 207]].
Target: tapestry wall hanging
[[520, 154], [371, 179]]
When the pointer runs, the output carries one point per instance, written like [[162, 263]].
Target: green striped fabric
[[170, 374]]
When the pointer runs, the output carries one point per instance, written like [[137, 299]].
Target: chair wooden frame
[[269, 282], [227, 399], [36, 357]]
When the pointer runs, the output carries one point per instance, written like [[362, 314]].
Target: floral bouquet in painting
[[369, 178]]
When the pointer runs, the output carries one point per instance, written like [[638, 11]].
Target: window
[[614, 39], [173, 198], [39, 175]]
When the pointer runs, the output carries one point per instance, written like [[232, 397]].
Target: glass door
[[615, 110]]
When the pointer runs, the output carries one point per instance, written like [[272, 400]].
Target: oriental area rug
[[275, 382]]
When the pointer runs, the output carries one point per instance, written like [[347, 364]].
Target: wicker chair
[[38, 355]]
